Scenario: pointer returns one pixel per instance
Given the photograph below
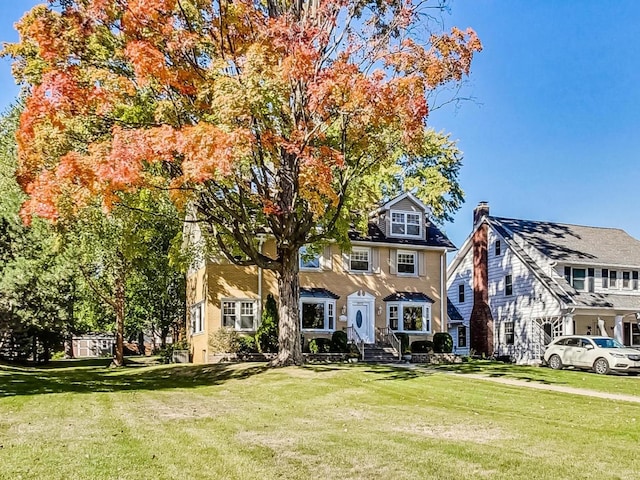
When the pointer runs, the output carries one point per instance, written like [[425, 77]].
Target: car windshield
[[607, 343]]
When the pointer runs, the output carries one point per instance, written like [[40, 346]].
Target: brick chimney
[[481, 322]]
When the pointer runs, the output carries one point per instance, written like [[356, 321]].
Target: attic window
[[406, 224], [498, 248]]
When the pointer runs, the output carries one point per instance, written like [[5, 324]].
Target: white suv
[[602, 354]]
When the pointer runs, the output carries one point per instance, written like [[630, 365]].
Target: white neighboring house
[[541, 280]]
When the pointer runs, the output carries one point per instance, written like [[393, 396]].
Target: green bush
[[421, 346], [339, 342], [404, 342], [442, 343], [224, 340], [267, 334], [320, 345], [247, 345], [166, 353]]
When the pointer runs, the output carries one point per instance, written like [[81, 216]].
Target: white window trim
[[369, 259], [466, 343], [426, 319], [309, 269], [238, 312], [405, 212], [415, 263], [197, 307], [328, 302]]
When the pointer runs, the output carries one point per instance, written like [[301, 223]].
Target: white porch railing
[[387, 336]]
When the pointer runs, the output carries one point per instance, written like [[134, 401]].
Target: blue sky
[[554, 130]]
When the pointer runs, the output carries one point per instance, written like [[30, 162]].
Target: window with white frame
[[626, 279], [613, 279], [406, 262], [409, 317], [509, 335], [239, 314], [462, 336], [508, 285], [197, 318], [317, 313], [309, 260], [360, 259], [406, 224]]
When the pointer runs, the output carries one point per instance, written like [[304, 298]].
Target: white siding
[[530, 300], [463, 275]]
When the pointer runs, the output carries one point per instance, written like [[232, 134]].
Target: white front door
[[361, 318]]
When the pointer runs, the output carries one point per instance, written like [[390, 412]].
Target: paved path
[[539, 386], [553, 388]]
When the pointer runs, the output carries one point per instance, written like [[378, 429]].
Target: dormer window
[[406, 224]]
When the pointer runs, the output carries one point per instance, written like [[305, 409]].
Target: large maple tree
[[267, 116]]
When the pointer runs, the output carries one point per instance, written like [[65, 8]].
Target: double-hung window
[[360, 259], [407, 262], [406, 224], [508, 285], [409, 317], [613, 278], [498, 248], [197, 318], [509, 335], [461, 293], [462, 336], [626, 279], [605, 278], [239, 314], [317, 313]]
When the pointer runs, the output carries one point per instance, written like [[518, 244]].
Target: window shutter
[[422, 266], [345, 261], [375, 260], [326, 260], [392, 261]]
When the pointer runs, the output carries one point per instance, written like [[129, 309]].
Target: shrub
[[247, 345], [404, 342], [339, 342], [224, 340], [320, 345], [421, 346], [267, 334], [166, 353], [442, 343]]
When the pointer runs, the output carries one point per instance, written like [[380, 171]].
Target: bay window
[[409, 317], [317, 313]]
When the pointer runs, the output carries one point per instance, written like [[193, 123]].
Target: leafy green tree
[[267, 334]]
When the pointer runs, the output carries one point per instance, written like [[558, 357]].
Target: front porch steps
[[374, 353]]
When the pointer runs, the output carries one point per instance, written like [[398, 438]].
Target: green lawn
[[320, 422]]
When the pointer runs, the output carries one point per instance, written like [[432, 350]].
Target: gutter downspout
[[443, 295]]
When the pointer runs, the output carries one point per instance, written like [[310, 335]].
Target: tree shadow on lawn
[[32, 381], [500, 370]]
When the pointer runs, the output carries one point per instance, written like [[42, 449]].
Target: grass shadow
[[87, 379]]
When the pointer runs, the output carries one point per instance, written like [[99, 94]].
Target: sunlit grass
[[357, 422]]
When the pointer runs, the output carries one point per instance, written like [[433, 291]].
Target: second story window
[[605, 278], [578, 279], [406, 224], [508, 285], [461, 293], [360, 259], [626, 279], [498, 248], [613, 278], [309, 260], [634, 283], [406, 262]]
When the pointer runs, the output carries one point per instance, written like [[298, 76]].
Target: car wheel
[[555, 362], [601, 366]]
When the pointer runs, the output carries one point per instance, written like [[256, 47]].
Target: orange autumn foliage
[[123, 94]]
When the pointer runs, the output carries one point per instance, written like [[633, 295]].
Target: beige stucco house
[[395, 277]]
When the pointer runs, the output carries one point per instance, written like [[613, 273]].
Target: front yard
[[334, 421]]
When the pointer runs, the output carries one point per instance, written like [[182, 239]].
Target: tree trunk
[[289, 349], [118, 358]]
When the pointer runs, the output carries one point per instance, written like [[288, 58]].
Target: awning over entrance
[[408, 297], [317, 292]]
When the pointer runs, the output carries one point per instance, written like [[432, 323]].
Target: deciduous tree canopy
[[268, 116]]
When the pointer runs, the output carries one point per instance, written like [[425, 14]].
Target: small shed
[[93, 345]]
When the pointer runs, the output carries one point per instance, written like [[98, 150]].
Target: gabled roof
[[408, 297], [399, 198], [434, 237], [452, 312], [576, 243], [571, 244]]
